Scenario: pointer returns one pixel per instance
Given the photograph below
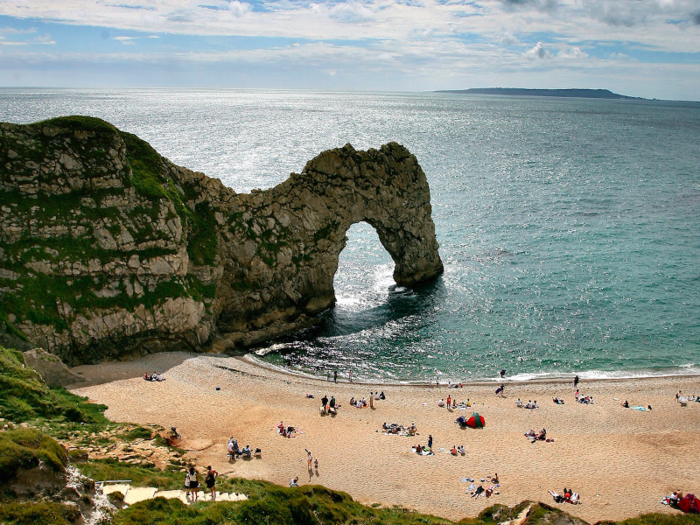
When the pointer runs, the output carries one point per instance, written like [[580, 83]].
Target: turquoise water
[[569, 229]]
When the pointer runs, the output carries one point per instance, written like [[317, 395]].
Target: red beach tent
[[689, 504], [476, 421]]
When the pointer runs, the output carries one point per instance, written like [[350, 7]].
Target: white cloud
[[43, 40], [350, 11], [538, 51], [573, 53], [238, 9], [15, 31], [508, 39]]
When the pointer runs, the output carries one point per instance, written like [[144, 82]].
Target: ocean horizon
[[569, 228]]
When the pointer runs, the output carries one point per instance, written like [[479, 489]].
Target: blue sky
[[648, 48]]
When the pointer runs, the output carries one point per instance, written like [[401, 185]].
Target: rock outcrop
[[108, 249]]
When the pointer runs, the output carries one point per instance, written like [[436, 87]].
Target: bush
[[44, 513], [24, 448], [25, 397]]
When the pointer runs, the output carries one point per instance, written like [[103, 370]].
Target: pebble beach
[[621, 461]]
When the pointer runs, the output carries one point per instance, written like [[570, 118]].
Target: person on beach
[[575, 381], [210, 481], [449, 401], [350, 376], [503, 373], [441, 403], [625, 404], [335, 376], [382, 396], [371, 400], [309, 459], [192, 483], [294, 482], [232, 448], [324, 401], [316, 465], [430, 441], [332, 402], [494, 479]]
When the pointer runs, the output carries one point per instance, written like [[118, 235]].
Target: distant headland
[[522, 92]]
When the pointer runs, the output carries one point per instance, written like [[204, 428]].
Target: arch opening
[[365, 270]]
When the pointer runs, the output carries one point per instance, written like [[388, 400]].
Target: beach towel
[[641, 409]]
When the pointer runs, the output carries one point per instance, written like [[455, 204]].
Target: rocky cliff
[[108, 249]]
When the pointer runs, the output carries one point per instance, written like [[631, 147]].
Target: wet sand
[[621, 461]]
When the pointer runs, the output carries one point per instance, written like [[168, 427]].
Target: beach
[[621, 461]]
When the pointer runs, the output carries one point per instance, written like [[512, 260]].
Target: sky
[[645, 48]]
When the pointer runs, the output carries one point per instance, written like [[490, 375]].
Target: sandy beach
[[621, 461]]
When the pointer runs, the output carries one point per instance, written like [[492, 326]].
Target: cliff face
[[107, 249]]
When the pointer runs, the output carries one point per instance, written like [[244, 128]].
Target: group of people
[[155, 376], [567, 496], [329, 406], [311, 462], [480, 491], [395, 428], [538, 436], [529, 405], [683, 399], [586, 400], [192, 484], [286, 431], [625, 404], [458, 450], [234, 451], [452, 404], [674, 498]]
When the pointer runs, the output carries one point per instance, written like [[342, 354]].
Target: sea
[[569, 228]]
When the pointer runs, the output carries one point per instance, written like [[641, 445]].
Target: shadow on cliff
[[109, 371], [419, 301]]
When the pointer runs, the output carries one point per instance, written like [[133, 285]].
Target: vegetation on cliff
[[94, 227]]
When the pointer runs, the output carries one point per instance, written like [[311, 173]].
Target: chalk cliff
[[108, 249]]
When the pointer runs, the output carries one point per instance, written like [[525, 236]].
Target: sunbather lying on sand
[[558, 400]]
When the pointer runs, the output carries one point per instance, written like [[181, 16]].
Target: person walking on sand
[[430, 441], [309, 459], [575, 381], [316, 465], [210, 481], [371, 400], [350, 376], [335, 376]]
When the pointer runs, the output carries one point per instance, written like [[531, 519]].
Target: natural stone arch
[[303, 230], [109, 249]]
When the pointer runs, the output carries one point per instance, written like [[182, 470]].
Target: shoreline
[[597, 448], [254, 360]]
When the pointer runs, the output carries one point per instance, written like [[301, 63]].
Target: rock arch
[[108, 249], [302, 225]]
